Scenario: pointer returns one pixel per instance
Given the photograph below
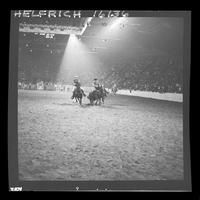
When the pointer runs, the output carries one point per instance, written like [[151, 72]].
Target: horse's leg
[[90, 101], [99, 100], [80, 101]]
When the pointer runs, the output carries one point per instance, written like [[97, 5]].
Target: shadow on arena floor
[[111, 106], [65, 104], [99, 106]]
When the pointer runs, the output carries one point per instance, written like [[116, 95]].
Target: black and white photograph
[[100, 97]]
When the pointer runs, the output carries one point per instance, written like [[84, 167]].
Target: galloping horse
[[78, 95], [97, 96]]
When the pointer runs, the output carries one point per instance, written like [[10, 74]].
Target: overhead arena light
[[100, 48], [88, 21], [117, 22]]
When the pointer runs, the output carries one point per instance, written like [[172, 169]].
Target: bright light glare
[[77, 61], [117, 22]]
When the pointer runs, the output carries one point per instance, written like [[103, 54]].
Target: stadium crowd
[[156, 74], [153, 74], [42, 85]]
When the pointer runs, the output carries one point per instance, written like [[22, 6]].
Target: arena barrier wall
[[176, 97], [154, 95]]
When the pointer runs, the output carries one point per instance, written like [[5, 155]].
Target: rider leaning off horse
[[99, 87], [77, 85]]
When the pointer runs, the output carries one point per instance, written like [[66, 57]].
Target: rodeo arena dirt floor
[[126, 138]]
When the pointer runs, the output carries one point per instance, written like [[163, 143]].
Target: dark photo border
[[146, 185]]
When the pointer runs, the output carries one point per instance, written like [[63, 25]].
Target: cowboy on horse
[[77, 88], [96, 84], [97, 94]]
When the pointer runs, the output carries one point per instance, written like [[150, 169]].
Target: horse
[[98, 96], [78, 95], [95, 96], [104, 94]]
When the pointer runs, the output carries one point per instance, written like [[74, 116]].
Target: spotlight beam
[[77, 59]]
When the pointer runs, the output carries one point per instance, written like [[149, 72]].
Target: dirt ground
[[127, 138]]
